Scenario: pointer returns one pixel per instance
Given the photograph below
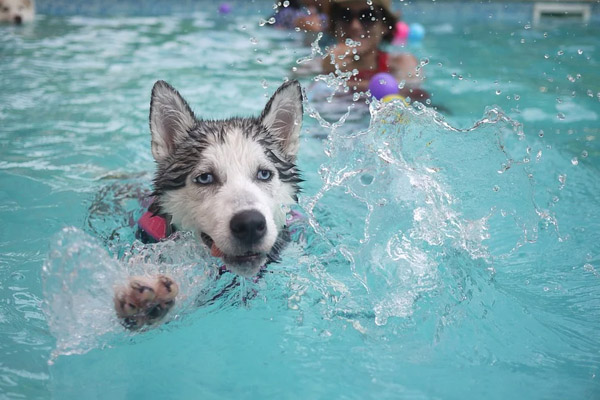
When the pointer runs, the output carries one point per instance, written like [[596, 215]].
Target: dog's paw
[[145, 300]]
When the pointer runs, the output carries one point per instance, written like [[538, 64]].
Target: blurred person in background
[[369, 27]]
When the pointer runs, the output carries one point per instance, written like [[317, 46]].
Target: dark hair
[[388, 20]]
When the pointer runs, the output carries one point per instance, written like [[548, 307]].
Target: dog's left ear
[[282, 117]]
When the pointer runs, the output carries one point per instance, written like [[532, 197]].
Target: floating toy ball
[[224, 8], [383, 84], [416, 32], [402, 31]]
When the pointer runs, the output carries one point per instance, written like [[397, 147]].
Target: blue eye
[[263, 175], [204, 179]]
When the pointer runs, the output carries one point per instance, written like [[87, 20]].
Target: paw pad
[[145, 300]]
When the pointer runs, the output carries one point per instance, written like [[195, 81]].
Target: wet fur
[[232, 150], [235, 152], [17, 11]]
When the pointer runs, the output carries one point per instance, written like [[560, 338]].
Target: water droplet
[[496, 188], [460, 77], [570, 78], [264, 84], [560, 52], [545, 34], [356, 57], [271, 20], [584, 154], [546, 56], [579, 51], [541, 133], [259, 60], [254, 40], [588, 267], [498, 92], [366, 179], [522, 41], [517, 97], [562, 178], [574, 161], [560, 116], [243, 27], [286, 3], [527, 26]]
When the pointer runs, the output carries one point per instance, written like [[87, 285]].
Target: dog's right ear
[[170, 119]]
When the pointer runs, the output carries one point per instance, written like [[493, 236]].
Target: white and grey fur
[[229, 181], [17, 11]]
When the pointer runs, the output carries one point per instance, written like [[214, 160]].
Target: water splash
[[413, 195], [80, 276], [410, 209]]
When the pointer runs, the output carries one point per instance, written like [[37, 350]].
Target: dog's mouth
[[248, 259]]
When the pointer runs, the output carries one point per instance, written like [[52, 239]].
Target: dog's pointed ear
[[170, 119], [282, 117]]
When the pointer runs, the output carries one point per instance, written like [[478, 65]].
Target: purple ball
[[224, 8], [383, 84]]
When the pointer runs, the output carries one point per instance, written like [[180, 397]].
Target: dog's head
[[17, 11], [229, 181]]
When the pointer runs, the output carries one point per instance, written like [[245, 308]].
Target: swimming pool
[[446, 258]]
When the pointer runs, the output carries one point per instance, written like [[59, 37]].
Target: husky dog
[[17, 11], [229, 181]]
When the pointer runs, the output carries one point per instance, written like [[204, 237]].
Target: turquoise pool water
[[450, 255]]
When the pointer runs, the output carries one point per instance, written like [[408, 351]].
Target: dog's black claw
[[130, 323]]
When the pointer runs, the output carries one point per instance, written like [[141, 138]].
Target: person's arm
[[405, 67]]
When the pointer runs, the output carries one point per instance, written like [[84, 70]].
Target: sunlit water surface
[[444, 255]]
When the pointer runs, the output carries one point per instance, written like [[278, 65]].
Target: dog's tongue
[[215, 251]]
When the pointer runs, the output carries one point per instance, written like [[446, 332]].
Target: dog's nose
[[248, 226], [18, 19]]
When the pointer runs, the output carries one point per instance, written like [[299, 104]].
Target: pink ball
[[383, 84], [402, 31]]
